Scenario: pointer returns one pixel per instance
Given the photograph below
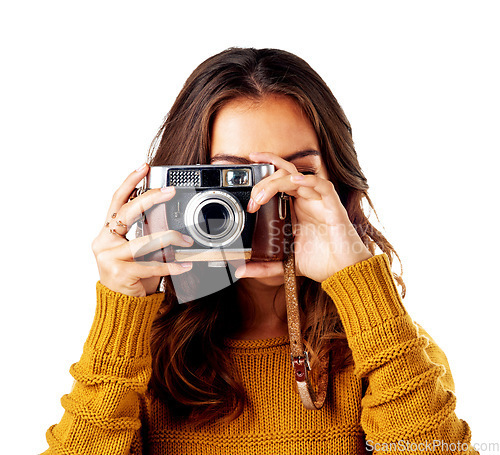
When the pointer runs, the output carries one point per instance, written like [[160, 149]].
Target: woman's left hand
[[325, 241]]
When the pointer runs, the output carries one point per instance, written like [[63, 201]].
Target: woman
[[214, 375]]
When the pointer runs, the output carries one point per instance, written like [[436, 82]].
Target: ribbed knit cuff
[[365, 294], [122, 324]]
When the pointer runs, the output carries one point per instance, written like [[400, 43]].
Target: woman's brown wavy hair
[[191, 373]]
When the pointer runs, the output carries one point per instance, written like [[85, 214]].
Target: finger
[[143, 245], [308, 193], [280, 163], [131, 211], [264, 182], [115, 229], [275, 175], [280, 173], [106, 241], [322, 186], [259, 270], [260, 195], [150, 269], [122, 194], [115, 226]]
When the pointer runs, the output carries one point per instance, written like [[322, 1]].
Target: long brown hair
[[190, 366]]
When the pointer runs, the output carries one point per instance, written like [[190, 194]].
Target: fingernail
[[186, 264], [167, 189], [141, 168], [187, 238], [260, 196], [297, 178], [239, 273], [251, 205]]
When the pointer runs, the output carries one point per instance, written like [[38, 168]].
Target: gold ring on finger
[[113, 231]]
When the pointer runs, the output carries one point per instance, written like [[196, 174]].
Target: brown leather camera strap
[[300, 357]]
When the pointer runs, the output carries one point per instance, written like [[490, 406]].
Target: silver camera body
[[210, 206]]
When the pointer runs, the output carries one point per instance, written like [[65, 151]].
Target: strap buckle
[[282, 205], [301, 366]]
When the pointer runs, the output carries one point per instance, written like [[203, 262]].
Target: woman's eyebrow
[[231, 158], [242, 160]]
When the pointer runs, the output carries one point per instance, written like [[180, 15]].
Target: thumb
[[259, 270]]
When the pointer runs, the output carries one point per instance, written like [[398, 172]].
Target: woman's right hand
[[118, 270]]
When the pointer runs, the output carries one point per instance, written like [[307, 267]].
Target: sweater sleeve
[[410, 399], [104, 410]]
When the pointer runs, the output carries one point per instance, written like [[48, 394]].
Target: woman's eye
[[307, 171]]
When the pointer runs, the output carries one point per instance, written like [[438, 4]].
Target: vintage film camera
[[210, 206]]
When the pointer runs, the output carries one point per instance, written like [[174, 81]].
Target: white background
[[85, 85]]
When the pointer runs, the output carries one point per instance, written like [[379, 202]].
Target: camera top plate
[[207, 175]]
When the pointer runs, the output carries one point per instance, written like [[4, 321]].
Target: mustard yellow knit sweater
[[409, 401]]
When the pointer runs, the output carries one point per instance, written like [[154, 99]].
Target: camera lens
[[213, 219]]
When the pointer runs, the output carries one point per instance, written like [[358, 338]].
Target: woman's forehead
[[273, 124]]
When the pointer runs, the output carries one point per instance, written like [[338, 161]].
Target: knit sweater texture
[[398, 392]]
